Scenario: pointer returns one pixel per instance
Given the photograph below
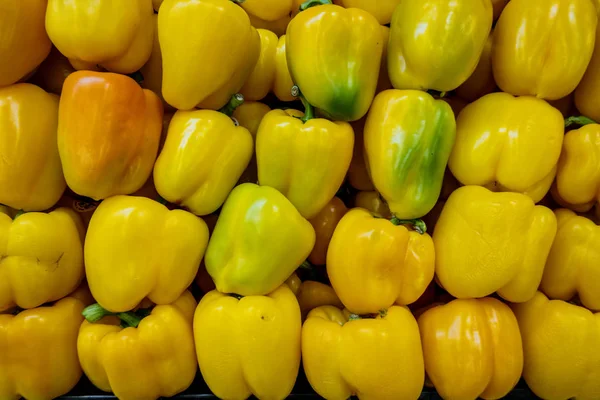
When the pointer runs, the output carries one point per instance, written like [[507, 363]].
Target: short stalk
[[417, 224], [235, 101], [96, 312], [312, 3], [309, 111], [579, 120]]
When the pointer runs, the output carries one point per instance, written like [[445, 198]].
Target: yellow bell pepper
[[566, 105], [436, 44], [534, 46], [373, 263], [489, 242], [31, 176], [249, 346], [408, 138], [38, 351], [561, 348], [373, 202], [380, 9], [25, 43], [136, 248], [116, 35], [578, 175], [204, 156], [313, 294], [334, 56], [209, 49], [481, 81], [472, 348], [508, 143], [324, 224], [586, 93], [294, 282], [152, 70], [283, 83], [259, 240], [261, 80], [41, 257], [572, 265], [305, 158], [52, 73], [250, 114], [108, 134], [372, 358], [140, 357], [278, 26], [267, 10]]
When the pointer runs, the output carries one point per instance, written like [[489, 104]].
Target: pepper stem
[[306, 265], [353, 317], [418, 224], [235, 101], [309, 111], [18, 214], [129, 319], [238, 1], [312, 3], [580, 120], [96, 312], [162, 200]]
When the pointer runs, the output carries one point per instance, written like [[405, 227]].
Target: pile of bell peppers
[[390, 194]]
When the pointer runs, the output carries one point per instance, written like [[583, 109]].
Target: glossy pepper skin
[[338, 75], [561, 348], [25, 43], [38, 351], [114, 34], [136, 248], [283, 83], [508, 143], [324, 224], [380, 9], [572, 265], [578, 175], [586, 94], [481, 81], [408, 138], [373, 358], [259, 240], [306, 161], [185, 172], [31, 175], [250, 114], [155, 359], [488, 242], [108, 133], [475, 338], [372, 263], [436, 44], [41, 257], [534, 42], [261, 80], [192, 32], [249, 346]]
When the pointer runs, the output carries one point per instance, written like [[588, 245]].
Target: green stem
[[306, 265], [235, 296], [129, 319], [162, 201], [238, 1], [353, 317], [580, 120], [137, 76], [309, 111], [96, 312], [235, 101], [418, 224], [18, 214], [312, 3]]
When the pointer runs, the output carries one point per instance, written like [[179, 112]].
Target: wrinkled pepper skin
[[259, 240], [578, 175], [38, 351], [192, 32], [373, 358], [25, 43], [372, 264], [249, 346], [261, 79], [306, 161], [283, 83], [475, 338], [436, 44], [136, 248], [31, 175], [586, 94], [108, 133], [41, 257], [338, 75], [534, 43], [481, 81], [197, 141], [561, 348], [508, 143], [324, 224], [154, 360], [380, 9], [408, 138], [488, 242], [52, 73], [573, 265], [114, 34], [268, 10]]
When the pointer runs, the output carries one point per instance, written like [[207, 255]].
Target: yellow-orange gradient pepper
[[380, 9], [586, 94], [108, 133], [139, 355], [193, 32], [376, 357], [436, 44], [481, 81], [488, 242], [38, 351], [31, 175], [262, 78], [508, 143], [472, 349], [534, 44], [249, 345], [136, 248], [25, 43], [116, 35], [324, 224], [561, 348], [373, 263], [573, 265], [204, 156], [41, 257], [283, 83]]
